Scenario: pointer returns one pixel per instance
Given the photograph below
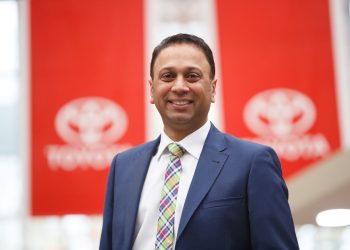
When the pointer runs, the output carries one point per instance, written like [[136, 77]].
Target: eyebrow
[[187, 68]]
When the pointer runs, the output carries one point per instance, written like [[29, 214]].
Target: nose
[[180, 85]]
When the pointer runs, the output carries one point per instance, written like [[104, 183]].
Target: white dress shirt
[[147, 216]]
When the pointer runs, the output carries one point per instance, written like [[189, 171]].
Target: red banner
[[278, 80], [87, 98]]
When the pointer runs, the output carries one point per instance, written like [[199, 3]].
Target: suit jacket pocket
[[225, 202]]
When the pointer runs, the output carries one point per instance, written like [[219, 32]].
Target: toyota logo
[[280, 113], [91, 122]]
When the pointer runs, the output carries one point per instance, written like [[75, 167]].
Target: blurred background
[[74, 92]]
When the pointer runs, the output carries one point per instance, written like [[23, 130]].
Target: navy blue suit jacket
[[237, 198]]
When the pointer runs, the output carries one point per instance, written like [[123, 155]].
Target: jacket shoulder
[[245, 146], [134, 151]]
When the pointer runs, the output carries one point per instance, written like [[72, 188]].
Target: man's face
[[181, 88]]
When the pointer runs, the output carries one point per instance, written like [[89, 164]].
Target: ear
[[150, 81], [213, 89]]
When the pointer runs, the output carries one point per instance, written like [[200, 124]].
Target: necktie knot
[[176, 150]]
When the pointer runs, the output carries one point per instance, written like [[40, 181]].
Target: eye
[[193, 77], [167, 77]]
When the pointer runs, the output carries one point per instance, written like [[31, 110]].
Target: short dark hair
[[187, 39]]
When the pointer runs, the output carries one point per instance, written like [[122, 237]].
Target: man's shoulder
[[141, 148], [243, 145], [248, 150], [242, 142]]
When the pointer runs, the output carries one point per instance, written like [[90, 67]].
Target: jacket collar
[[208, 168]]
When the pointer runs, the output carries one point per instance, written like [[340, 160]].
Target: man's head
[[184, 39], [182, 85]]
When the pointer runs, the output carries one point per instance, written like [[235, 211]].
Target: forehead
[[183, 54]]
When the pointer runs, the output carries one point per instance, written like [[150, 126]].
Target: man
[[207, 189]]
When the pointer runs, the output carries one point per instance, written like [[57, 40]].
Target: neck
[[179, 132]]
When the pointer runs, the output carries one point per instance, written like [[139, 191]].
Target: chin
[[180, 118]]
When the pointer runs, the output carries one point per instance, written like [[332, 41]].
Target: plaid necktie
[[166, 219]]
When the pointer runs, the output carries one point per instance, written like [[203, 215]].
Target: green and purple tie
[[166, 218]]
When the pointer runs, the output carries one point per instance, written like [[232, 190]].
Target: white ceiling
[[324, 185]]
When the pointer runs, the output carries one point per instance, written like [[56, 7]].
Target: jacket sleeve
[[271, 222], [106, 235]]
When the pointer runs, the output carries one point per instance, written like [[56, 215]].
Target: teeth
[[181, 102]]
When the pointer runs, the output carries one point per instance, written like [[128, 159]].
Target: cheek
[[160, 92], [206, 93]]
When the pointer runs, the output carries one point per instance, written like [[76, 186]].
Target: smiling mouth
[[180, 103]]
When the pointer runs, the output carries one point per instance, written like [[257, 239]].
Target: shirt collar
[[193, 143]]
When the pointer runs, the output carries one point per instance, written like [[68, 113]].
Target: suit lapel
[[208, 168], [137, 168]]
